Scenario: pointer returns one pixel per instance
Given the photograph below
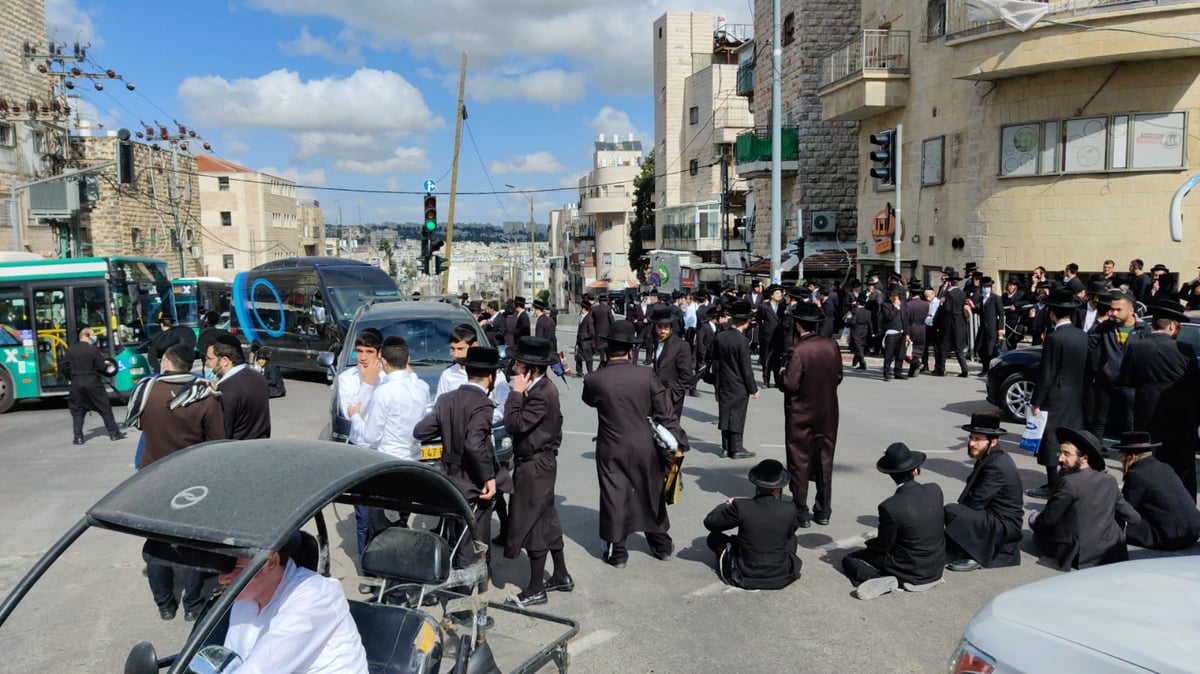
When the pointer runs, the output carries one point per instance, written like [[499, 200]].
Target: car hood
[[1145, 612]]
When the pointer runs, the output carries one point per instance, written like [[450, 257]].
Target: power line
[[485, 171]]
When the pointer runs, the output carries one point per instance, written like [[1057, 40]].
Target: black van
[[301, 307]]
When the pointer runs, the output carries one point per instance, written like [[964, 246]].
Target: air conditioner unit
[[823, 222], [197, 252]]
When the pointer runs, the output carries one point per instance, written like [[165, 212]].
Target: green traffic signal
[[430, 213]]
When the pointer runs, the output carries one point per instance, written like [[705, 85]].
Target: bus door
[[51, 330]]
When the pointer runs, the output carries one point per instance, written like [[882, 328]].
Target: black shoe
[[500, 538], [168, 613], [964, 375], [899, 376], [191, 616], [805, 521], [116, 436], [743, 454], [663, 554], [79, 440], [886, 378], [555, 585], [938, 373], [463, 619], [823, 520], [522, 601], [1043, 491], [618, 562], [964, 564]]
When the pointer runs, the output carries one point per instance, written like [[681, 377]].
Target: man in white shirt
[[462, 338], [291, 619], [398, 403], [354, 387]]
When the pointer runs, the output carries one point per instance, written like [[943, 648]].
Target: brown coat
[[631, 470], [166, 431], [534, 422], [809, 380]]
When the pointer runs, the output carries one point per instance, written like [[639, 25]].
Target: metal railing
[[874, 51], [959, 23]]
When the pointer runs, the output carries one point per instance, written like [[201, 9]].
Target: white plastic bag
[[1035, 427]]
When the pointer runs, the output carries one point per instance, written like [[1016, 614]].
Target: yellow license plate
[[431, 452]]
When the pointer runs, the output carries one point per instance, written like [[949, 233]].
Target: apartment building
[[1061, 143], [697, 119], [312, 227], [248, 217], [605, 210]]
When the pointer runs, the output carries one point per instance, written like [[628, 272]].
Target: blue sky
[[361, 93]]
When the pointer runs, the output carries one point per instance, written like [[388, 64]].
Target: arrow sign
[[430, 185]]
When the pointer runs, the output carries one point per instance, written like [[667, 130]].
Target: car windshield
[[428, 337]]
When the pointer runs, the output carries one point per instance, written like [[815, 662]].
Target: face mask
[[987, 291], [92, 339]]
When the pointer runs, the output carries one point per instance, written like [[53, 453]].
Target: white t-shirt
[[306, 628], [455, 376]]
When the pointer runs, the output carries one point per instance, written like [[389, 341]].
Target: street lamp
[[532, 247]]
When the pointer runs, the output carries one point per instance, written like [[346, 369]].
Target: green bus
[[45, 303], [192, 296]]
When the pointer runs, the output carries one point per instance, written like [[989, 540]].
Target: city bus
[[194, 296], [300, 307], [45, 303]]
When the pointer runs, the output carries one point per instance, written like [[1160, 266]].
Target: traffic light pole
[[899, 235]]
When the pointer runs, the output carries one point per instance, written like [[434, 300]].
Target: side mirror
[[325, 360], [214, 660], [141, 659]]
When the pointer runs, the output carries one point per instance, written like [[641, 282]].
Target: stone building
[[312, 227], [1063, 143], [820, 156]]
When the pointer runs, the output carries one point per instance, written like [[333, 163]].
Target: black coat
[[246, 403], [951, 322], [83, 364], [522, 328], [829, 311], [1060, 385], [546, 329], [534, 422], [275, 386], [735, 379], [462, 419], [859, 322], [1081, 525], [1106, 353], [918, 309], [1169, 515], [585, 335], [986, 521], [675, 370], [912, 534], [768, 327], [602, 317], [706, 334], [1011, 303], [765, 546], [991, 322]]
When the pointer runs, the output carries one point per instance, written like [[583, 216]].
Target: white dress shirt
[[455, 376], [1090, 319], [306, 628], [352, 389], [400, 400], [689, 317], [232, 371]]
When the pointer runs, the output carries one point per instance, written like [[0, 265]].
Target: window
[[935, 19], [693, 167], [7, 137], [135, 237], [693, 115], [223, 184], [789, 28], [931, 161], [227, 261], [39, 142], [226, 219], [660, 32], [1122, 142]]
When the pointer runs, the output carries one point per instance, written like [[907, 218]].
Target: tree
[[643, 216], [385, 249]]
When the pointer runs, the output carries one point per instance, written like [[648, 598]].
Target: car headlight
[[970, 660], [506, 443]]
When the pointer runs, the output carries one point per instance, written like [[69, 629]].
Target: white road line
[[579, 432], [852, 541], [709, 589], [774, 446], [590, 641]]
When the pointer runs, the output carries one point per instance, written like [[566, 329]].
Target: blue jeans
[[362, 524]]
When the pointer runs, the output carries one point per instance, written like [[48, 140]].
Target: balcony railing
[[755, 146], [875, 51], [961, 21]]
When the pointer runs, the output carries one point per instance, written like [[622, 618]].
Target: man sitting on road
[[984, 528], [911, 545], [1170, 520], [1081, 525], [762, 555], [291, 619]]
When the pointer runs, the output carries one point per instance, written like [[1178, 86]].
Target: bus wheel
[[8, 393]]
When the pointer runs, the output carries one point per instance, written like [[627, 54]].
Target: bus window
[[87, 306], [14, 316], [50, 313]]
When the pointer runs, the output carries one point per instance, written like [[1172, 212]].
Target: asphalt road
[[652, 616]]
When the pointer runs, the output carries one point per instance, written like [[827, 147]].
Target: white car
[[1138, 616]]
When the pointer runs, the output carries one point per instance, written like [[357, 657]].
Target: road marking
[[852, 541], [590, 641], [774, 446], [709, 589], [579, 432]]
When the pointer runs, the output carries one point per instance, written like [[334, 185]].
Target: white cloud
[[314, 177], [402, 160], [367, 101], [571, 181], [545, 86], [306, 44], [232, 145], [66, 22], [337, 145], [538, 162], [610, 121]]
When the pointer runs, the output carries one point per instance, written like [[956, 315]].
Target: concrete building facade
[[606, 207], [1064, 143]]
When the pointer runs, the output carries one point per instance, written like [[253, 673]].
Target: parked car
[[1012, 374], [1137, 616], [426, 326]]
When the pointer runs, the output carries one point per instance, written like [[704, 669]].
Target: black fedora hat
[[896, 288], [1097, 287], [533, 351], [1168, 309], [623, 332], [1085, 442], [798, 292], [769, 474], [985, 423], [898, 458], [741, 309], [1062, 298], [952, 275], [806, 312], [772, 288], [540, 305], [987, 281], [480, 358], [662, 315], [1136, 442], [1075, 284], [519, 301]]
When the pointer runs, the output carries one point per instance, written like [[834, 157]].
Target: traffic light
[[124, 158], [430, 215], [440, 265], [884, 158], [798, 248]]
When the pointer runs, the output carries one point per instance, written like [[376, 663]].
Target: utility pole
[[776, 144], [459, 117], [532, 245], [899, 235]]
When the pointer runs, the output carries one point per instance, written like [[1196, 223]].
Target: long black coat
[[765, 546], [918, 309], [1010, 303], [859, 322], [675, 370], [768, 327], [706, 335], [546, 329], [246, 402], [534, 422], [1060, 386], [83, 364], [986, 521], [1169, 516], [602, 318], [631, 470], [585, 336], [1166, 403], [462, 419], [951, 322], [521, 328], [735, 379], [991, 321], [829, 310], [912, 535], [1081, 525]]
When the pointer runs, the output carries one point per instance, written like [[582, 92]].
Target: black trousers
[[731, 442], [1104, 396], [617, 552], [1143, 536], [583, 355], [856, 349], [167, 580], [862, 565], [893, 355], [942, 353], [84, 398]]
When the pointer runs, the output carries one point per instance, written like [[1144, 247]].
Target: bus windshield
[[140, 291]]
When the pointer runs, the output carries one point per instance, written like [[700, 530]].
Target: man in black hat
[[991, 324], [1170, 520], [983, 529], [533, 419], [706, 335], [1107, 342], [462, 299], [735, 383], [1163, 375], [1060, 382], [893, 323], [519, 321], [873, 303], [462, 418], [1081, 525], [168, 336], [585, 339], [83, 365], [829, 310], [951, 322], [910, 548], [762, 555], [602, 319], [672, 358], [545, 327], [768, 329], [811, 375], [262, 359], [918, 308], [1093, 315], [635, 313], [631, 470], [858, 319]]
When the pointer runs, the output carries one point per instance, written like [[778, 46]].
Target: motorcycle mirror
[[214, 660], [141, 659]]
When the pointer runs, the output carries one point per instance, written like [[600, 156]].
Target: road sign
[[430, 185]]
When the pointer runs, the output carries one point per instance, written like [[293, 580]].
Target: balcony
[[1072, 34], [612, 203], [753, 152], [866, 76], [583, 232], [730, 120]]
